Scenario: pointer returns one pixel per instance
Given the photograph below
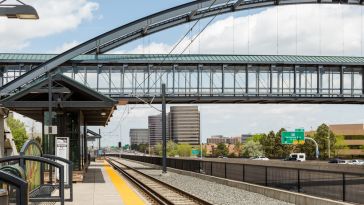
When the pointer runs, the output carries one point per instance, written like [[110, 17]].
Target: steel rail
[[160, 199]]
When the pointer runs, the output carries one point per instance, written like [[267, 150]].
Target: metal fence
[[343, 186]]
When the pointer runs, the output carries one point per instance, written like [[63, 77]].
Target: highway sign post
[[296, 137]]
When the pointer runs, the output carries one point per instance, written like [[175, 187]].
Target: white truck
[[297, 157]]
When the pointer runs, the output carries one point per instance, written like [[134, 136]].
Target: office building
[[217, 139], [155, 129], [184, 122], [139, 136], [353, 136]]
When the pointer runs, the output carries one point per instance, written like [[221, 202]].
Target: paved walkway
[[104, 186]]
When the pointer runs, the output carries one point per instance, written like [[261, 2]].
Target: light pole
[[18, 11]]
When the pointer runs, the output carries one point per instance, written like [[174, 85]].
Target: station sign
[[296, 137], [62, 150]]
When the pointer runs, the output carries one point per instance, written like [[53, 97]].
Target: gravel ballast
[[209, 191]]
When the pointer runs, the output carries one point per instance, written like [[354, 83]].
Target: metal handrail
[[20, 184]]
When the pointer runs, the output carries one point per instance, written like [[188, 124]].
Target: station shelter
[[75, 108]]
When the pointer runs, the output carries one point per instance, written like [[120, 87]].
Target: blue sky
[[301, 30]]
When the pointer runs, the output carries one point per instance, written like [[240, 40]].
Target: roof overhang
[[68, 95]]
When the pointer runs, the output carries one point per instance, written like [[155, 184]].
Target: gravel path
[[209, 191]]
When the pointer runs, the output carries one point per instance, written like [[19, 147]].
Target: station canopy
[[67, 95]]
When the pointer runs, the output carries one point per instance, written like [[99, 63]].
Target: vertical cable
[[320, 32], [361, 31], [233, 33], [296, 30], [277, 40], [249, 32], [343, 32]]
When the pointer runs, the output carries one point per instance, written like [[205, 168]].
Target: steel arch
[[151, 24]]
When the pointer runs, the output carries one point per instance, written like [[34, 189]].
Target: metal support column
[[223, 78], [295, 80], [362, 81], [2, 132], [234, 82], [199, 68], [164, 129], [271, 79], [109, 81], [122, 80], [174, 78], [319, 68], [2, 76], [148, 80], [98, 77], [50, 119], [342, 81], [247, 79]]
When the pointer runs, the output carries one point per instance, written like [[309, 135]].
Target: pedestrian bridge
[[207, 78]]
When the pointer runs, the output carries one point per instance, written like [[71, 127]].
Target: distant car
[[260, 158], [356, 162], [337, 161]]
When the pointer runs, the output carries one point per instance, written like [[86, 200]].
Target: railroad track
[[158, 191]]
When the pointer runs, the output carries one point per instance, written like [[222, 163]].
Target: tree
[[18, 131], [309, 148], [221, 150], [340, 145], [321, 137], [171, 149], [238, 148], [184, 150], [252, 149], [143, 148], [268, 144], [158, 149], [255, 138]]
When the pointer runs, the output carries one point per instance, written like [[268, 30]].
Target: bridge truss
[[154, 23], [209, 78]]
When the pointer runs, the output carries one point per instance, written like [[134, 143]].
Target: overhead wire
[[193, 40], [178, 43]]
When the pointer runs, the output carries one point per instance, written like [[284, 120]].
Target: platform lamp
[[18, 11]]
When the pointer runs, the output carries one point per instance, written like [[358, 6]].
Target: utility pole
[[164, 129]]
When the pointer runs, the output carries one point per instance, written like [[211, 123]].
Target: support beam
[[223, 78], [247, 78], [164, 129], [2, 132], [272, 67], [362, 81], [341, 80], [319, 69], [295, 79]]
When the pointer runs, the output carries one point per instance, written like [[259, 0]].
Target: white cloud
[[55, 17], [302, 30], [66, 46]]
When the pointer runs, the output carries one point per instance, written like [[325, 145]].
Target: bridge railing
[[337, 185]]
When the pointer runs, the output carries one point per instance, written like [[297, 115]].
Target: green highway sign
[[297, 137], [195, 152]]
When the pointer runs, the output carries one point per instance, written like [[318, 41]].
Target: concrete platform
[[102, 185]]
